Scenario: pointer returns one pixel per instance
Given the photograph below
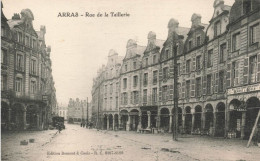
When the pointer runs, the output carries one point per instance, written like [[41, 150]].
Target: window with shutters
[[222, 52], [188, 65], [253, 69], [33, 67], [145, 79], [18, 85], [179, 90], [19, 62], [198, 87], [198, 60], [198, 41], [209, 60], [234, 73], [110, 103], [116, 102], [178, 69], [3, 82], [165, 73], [154, 96], [217, 28], [125, 83], [236, 42], [221, 81], [105, 90], [19, 37], [105, 105], [155, 75], [188, 89], [111, 88], [164, 93], [145, 96], [253, 32], [33, 87], [135, 80], [3, 56], [124, 98], [27, 40], [208, 84], [136, 97]]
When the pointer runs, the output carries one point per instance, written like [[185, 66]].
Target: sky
[[80, 45]]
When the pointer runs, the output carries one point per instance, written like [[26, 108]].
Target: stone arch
[[110, 121], [188, 120], [17, 115], [116, 121], [209, 118], [123, 118], [252, 107], [197, 119], [165, 112], [134, 113], [4, 115], [220, 119]]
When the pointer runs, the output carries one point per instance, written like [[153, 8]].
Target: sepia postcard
[[120, 80]]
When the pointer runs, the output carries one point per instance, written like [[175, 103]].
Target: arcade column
[[243, 123], [192, 122], [149, 119], [107, 122], [170, 122]]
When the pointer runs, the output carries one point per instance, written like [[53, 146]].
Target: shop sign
[[250, 88]]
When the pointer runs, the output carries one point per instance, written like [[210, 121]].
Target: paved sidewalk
[[194, 146], [12, 150]]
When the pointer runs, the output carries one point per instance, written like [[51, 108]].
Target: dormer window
[[134, 64], [247, 5], [198, 41], [125, 67], [190, 44], [146, 62], [154, 59], [217, 28], [167, 54]]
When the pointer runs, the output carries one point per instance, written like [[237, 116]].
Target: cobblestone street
[[76, 143]]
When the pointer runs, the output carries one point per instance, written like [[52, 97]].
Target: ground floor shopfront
[[22, 115], [220, 118]]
